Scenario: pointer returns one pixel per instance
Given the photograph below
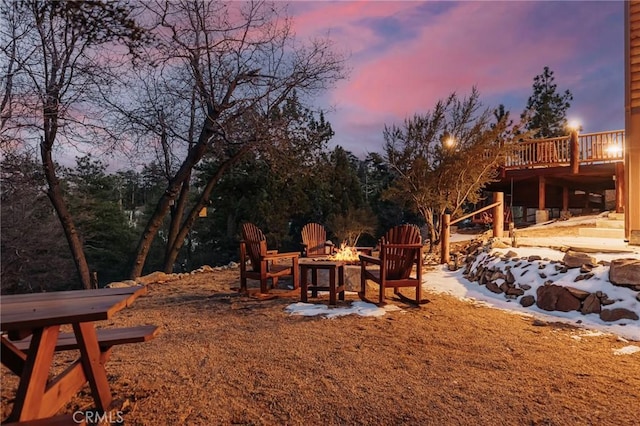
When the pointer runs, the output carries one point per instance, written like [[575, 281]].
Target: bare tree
[[55, 64], [444, 158], [240, 60]]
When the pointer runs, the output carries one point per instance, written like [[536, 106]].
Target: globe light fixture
[[574, 125], [450, 142], [614, 150]]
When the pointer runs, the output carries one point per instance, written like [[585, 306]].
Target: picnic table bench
[[107, 338], [30, 325]]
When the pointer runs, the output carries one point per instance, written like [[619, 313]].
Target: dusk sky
[[406, 55]]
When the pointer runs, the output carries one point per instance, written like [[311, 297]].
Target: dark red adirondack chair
[[314, 241], [265, 264], [400, 251]]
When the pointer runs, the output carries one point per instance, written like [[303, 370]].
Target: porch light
[[614, 150], [449, 142], [574, 125]]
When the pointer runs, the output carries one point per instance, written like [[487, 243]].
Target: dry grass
[[228, 359]]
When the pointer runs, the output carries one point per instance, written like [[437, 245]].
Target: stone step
[[601, 233], [616, 216], [610, 223]]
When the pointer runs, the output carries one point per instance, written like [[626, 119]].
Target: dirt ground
[[223, 359]]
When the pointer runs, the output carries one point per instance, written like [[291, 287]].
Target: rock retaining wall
[[567, 286]]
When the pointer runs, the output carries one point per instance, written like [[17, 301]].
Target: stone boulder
[[611, 315], [494, 287], [527, 300], [122, 284], [591, 305], [154, 277], [575, 259], [556, 298], [579, 293], [625, 272]]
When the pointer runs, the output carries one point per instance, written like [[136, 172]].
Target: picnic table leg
[[92, 364], [12, 357], [35, 374]]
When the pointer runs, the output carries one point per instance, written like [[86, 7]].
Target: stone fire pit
[[351, 274]]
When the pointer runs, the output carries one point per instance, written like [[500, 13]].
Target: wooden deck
[[565, 173], [593, 148]]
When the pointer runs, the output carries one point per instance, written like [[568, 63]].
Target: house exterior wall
[[632, 121]]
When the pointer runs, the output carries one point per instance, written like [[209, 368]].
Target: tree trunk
[[177, 214], [174, 249], [193, 157], [55, 195], [427, 213]]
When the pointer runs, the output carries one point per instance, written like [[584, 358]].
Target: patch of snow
[[627, 350], [357, 308]]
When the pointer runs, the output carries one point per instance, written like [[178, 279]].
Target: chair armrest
[[369, 259], [276, 255], [365, 250], [408, 246]]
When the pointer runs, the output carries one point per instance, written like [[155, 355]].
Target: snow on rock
[[575, 282]]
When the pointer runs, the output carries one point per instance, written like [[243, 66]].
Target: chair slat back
[[314, 236], [399, 260], [256, 244]]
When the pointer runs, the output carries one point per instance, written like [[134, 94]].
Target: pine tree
[[546, 109]]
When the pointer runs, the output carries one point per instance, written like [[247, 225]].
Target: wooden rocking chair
[[265, 264], [400, 250], [314, 241]]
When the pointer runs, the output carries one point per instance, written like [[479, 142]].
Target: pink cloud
[[497, 46], [444, 59]]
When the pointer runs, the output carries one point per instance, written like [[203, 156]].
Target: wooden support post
[[574, 149], [498, 215], [564, 213], [512, 234], [444, 238], [541, 214], [619, 176], [542, 195]]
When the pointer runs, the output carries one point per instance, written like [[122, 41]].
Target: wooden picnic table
[[40, 316]]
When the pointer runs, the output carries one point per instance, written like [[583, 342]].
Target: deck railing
[[593, 148]]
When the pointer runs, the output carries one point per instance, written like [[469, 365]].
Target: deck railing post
[[619, 176], [498, 215], [575, 151], [444, 238]]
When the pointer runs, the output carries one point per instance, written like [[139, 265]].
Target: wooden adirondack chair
[[400, 250], [265, 264], [314, 241]]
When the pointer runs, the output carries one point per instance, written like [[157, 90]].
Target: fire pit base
[[352, 277]]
